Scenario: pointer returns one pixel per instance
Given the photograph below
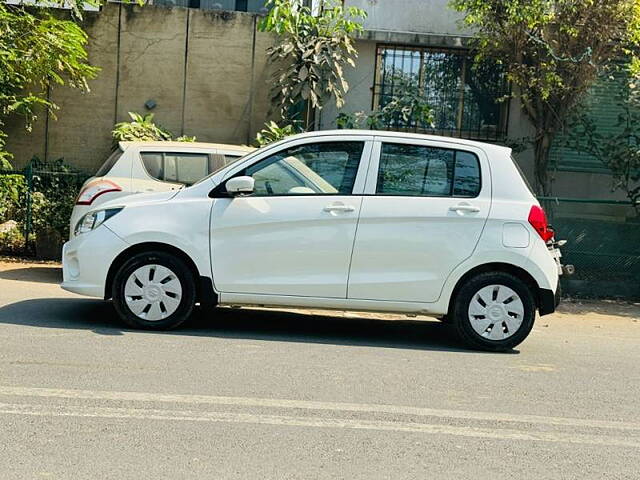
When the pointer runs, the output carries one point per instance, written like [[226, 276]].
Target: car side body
[[315, 246]]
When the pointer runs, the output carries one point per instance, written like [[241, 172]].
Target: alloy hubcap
[[496, 312], [153, 292]]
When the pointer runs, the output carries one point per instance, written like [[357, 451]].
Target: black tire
[[182, 272], [460, 308]]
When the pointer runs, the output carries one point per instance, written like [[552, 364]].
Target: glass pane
[[484, 87], [467, 175], [328, 168], [413, 170], [109, 163], [464, 96], [153, 164], [186, 168]]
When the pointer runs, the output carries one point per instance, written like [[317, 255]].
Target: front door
[[424, 213], [294, 235]]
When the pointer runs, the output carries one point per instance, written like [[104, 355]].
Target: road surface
[[265, 394]]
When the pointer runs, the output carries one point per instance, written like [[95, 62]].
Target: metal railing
[[44, 204]]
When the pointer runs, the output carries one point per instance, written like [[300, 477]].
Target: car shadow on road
[[33, 274], [266, 325]]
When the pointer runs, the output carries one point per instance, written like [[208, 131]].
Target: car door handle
[[339, 208], [464, 208]]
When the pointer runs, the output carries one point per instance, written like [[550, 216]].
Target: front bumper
[[86, 260]]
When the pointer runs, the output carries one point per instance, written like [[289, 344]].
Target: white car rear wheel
[[493, 311]]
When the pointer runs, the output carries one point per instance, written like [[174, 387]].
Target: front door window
[[328, 168]]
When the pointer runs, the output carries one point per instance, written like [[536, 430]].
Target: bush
[[143, 128], [12, 240], [49, 202], [12, 191], [274, 133], [55, 186]]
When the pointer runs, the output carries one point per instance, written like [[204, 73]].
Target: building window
[[465, 96], [255, 6]]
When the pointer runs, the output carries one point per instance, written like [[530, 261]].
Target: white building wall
[[412, 16]]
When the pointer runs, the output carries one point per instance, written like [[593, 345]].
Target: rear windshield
[[109, 163]]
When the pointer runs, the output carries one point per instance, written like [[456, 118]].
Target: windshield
[[109, 163]]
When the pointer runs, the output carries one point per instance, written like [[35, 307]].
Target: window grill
[[468, 99]]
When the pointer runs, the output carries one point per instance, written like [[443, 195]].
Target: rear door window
[[186, 168], [424, 171]]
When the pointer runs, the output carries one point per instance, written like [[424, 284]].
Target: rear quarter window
[[109, 163]]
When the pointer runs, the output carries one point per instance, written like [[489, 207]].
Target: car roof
[[401, 135], [187, 145]]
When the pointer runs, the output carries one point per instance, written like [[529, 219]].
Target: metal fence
[[603, 242], [43, 205]]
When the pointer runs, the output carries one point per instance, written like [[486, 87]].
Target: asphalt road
[[271, 394]]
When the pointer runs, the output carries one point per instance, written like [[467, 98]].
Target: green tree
[[311, 54], [37, 51], [552, 52]]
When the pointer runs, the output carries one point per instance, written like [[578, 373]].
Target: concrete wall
[[205, 70], [410, 16]]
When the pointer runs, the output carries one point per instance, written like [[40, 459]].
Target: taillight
[[538, 220], [94, 189]]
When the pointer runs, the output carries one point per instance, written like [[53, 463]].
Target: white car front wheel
[[154, 290]]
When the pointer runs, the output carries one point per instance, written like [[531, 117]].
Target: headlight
[[93, 220]]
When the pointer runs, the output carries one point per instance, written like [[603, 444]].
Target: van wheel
[[494, 311], [154, 290]]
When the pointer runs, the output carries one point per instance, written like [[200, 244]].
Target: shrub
[[12, 240], [12, 191], [273, 133], [55, 188], [143, 128]]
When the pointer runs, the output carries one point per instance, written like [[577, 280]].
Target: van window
[[422, 171], [109, 163]]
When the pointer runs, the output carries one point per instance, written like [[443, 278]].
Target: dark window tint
[[467, 175], [327, 168], [186, 168], [414, 170], [109, 163]]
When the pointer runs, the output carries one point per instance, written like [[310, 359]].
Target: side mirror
[[240, 185]]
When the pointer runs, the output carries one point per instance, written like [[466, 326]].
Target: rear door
[[425, 206]]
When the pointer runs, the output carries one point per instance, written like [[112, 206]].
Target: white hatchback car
[[353, 220], [137, 167]]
